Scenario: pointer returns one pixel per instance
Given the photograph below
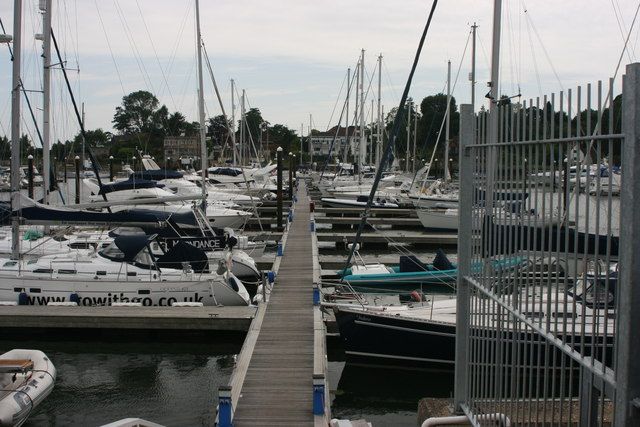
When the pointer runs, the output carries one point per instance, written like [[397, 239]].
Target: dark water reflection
[[382, 395], [174, 384]]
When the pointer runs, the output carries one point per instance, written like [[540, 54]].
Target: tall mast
[[447, 174], [346, 120], [242, 130], [362, 151], [233, 123], [493, 98], [355, 114], [203, 142], [415, 140], [371, 133], [301, 136], [15, 128], [309, 142], [46, 98], [406, 160], [83, 138], [473, 67], [379, 127]]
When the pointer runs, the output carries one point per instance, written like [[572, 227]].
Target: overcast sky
[[291, 56]]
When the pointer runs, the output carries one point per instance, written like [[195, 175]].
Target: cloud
[[291, 56]]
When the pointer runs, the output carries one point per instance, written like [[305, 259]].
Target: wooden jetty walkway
[[274, 379]]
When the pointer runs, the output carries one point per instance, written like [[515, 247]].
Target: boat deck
[[278, 384]]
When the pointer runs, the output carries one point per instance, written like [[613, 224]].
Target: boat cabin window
[[43, 270], [143, 258], [81, 245], [32, 261], [112, 252], [66, 271], [10, 263]]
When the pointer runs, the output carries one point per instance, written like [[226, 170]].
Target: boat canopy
[[224, 171], [131, 245], [130, 184], [157, 175], [182, 253]]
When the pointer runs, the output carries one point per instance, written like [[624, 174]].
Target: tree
[[178, 125], [253, 119], [218, 129], [434, 109], [401, 137], [282, 136], [96, 137], [138, 113]]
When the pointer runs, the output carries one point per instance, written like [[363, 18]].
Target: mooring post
[[111, 168], [30, 175], [294, 198], [77, 162], [290, 175], [225, 410], [316, 294], [279, 191], [265, 283], [318, 394]]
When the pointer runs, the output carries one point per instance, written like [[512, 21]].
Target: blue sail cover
[[225, 171], [157, 175], [130, 184], [34, 212]]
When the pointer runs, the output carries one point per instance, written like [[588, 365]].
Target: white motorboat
[[192, 185], [126, 271], [441, 219], [26, 379]]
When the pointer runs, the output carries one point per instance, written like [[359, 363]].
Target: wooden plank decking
[[278, 386]]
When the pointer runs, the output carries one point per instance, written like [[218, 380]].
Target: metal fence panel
[[541, 295]]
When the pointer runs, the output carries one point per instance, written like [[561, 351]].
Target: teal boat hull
[[431, 276]]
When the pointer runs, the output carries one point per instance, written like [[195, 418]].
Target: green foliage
[[434, 109], [177, 125], [410, 110], [96, 137], [282, 136], [218, 129], [253, 119], [140, 113]]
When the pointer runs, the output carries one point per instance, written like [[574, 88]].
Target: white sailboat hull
[[439, 219], [42, 291]]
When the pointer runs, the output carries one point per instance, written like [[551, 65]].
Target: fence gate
[[548, 291]]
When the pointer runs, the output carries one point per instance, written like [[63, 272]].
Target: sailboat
[[411, 272], [126, 271], [425, 333]]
